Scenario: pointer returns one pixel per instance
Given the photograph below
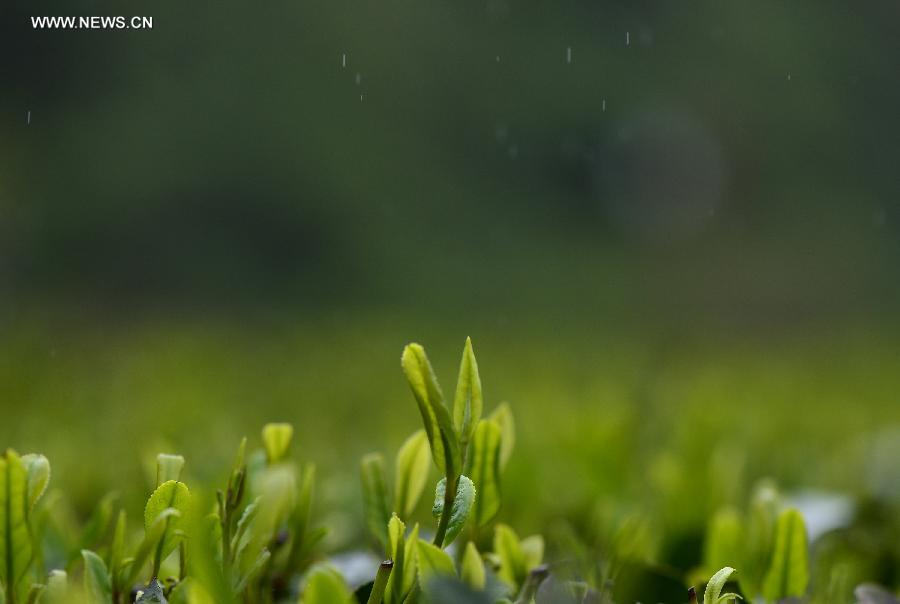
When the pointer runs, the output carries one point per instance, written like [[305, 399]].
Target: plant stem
[[449, 497], [381, 581]]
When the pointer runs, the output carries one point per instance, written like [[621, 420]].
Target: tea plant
[[255, 542]]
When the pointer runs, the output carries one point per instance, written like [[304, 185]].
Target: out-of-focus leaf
[[117, 549], [170, 494], [411, 473], [513, 567], [759, 537], [462, 505], [15, 540], [533, 550], [250, 573], [724, 540], [874, 594], [483, 467], [713, 591], [788, 573], [468, 402], [375, 498], [57, 590], [433, 562], [436, 418], [472, 568], [97, 526], [168, 467], [504, 417], [97, 587], [277, 440], [326, 586], [37, 468]]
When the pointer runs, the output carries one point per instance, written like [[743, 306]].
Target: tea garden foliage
[[258, 541]]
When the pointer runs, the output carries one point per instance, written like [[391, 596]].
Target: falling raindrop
[[603, 106], [358, 78], [28, 118], [498, 58], [569, 54], [789, 77], [627, 38], [344, 60]]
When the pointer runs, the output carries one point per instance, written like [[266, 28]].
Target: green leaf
[[513, 567], [436, 418], [472, 568], [468, 402], [411, 472], [533, 551], [277, 441], [378, 586], [325, 586], [396, 551], [117, 549], [713, 590], [724, 540], [484, 469], [788, 573], [375, 497], [15, 539], [57, 590], [433, 562], [37, 468], [462, 505], [97, 587], [504, 417], [759, 538], [168, 467], [170, 494], [150, 542]]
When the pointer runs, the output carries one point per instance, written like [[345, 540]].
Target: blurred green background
[[671, 231]]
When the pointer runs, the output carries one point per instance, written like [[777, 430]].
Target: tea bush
[[258, 541]]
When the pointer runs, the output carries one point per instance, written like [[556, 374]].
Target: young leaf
[[396, 550], [504, 417], [15, 539], [411, 472], [462, 505], [326, 586], [513, 567], [433, 562], [97, 588], [171, 494], [168, 467], [484, 469], [277, 441], [375, 497], [788, 573], [57, 590], [37, 468], [533, 551], [724, 540], [438, 426], [713, 591], [150, 542], [468, 402], [410, 562], [472, 568]]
